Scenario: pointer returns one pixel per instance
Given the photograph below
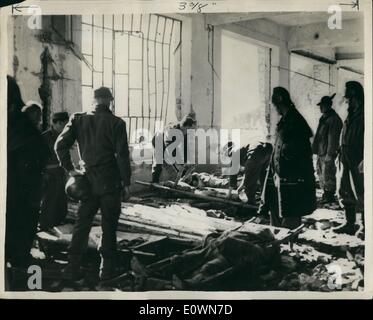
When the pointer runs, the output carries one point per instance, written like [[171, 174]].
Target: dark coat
[[292, 162], [27, 155], [50, 137], [103, 146], [352, 139], [327, 136]]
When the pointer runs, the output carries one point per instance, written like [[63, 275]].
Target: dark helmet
[[78, 188]]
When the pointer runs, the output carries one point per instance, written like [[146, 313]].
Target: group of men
[[290, 188], [39, 164], [36, 182]]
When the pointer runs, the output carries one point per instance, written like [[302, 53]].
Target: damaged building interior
[[194, 231]]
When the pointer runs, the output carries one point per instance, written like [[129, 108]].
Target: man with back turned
[[103, 146]]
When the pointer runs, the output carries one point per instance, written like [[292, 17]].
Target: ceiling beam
[[216, 19], [349, 55], [319, 35]]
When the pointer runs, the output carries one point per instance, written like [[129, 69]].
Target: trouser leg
[[349, 193], [346, 194], [320, 171], [329, 174], [83, 225], [110, 205], [271, 198], [54, 202], [156, 172], [257, 160]]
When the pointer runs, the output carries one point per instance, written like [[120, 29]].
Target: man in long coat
[[290, 191], [27, 155]]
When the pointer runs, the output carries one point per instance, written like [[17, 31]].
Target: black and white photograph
[[186, 148]]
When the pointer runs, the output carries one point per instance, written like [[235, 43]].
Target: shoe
[[347, 228], [73, 271], [107, 269], [327, 198]]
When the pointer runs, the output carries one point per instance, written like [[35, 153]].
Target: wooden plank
[[197, 196]]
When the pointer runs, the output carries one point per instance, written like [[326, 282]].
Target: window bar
[[71, 29], [129, 74], [155, 68], [136, 124], [181, 58], [129, 128], [92, 37], [169, 71], [142, 68], [103, 48], [147, 61], [113, 65], [164, 32]]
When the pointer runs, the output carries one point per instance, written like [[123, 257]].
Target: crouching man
[[166, 138], [255, 159], [103, 146]]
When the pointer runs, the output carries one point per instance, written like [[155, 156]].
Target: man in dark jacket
[[351, 191], [54, 203], [103, 146], [27, 156], [325, 146], [290, 191]]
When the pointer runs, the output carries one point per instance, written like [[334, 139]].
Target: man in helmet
[[351, 191], [325, 146], [103, 146]]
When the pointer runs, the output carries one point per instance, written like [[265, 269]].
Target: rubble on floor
[[170, 244]]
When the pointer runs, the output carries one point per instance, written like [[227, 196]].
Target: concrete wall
[[44, 64]]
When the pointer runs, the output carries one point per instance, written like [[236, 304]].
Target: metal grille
[[139, 58]]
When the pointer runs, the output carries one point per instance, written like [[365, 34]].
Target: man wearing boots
[[325, 146], [103, 146], [351, 191]]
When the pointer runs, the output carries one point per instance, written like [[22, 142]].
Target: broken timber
[[198, 196]]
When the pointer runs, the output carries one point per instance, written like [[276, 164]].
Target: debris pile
[[176, 246]]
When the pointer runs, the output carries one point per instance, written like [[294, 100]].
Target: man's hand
[[126, 193]]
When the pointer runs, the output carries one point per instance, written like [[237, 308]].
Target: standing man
[[351, 191], [54, 202], [290, 191], [26, 159], [325, 146], [105, 160]]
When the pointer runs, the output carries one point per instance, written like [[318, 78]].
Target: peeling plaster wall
[[63, 76]]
